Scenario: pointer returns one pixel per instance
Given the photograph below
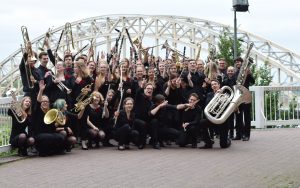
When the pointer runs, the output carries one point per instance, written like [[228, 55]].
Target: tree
[[225, 46]]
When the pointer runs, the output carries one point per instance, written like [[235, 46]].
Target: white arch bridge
[[155, 29]]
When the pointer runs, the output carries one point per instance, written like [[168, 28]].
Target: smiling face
[[148, 91], [26, 104]]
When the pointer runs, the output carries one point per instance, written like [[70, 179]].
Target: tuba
[[16, 108], [56, 116], [225, 103]]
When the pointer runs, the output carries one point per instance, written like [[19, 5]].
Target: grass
[[9, 153]]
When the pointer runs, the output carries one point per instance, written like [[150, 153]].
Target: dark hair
[[239, 59], [194, 95], [215, 80], [42, 54], [158, 98], [66, 56]]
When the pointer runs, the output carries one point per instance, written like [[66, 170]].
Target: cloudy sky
[[278, 21]]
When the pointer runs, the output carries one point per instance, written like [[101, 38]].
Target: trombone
[[69, 35], [30, 56]]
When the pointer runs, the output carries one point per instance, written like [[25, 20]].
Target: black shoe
[[156, 146], [107, 144], [246, 138], [127, 146], [22, 152], [142, 146], [237, 138]]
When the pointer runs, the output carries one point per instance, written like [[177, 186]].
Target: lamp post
[[238, 6]]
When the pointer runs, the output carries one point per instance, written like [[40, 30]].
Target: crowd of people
[[136, 102]]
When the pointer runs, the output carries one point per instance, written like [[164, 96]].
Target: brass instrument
[[80, 105], [170, 49], [198, 51], [61, 85], [16, 107], [69, 36], [47, 37], [30, 56], [56, 116], [224, 103], [83, 93]]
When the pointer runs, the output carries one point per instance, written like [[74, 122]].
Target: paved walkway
[[270, 159]]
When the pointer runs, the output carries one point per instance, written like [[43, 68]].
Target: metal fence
[[275, 106], [5, 124]]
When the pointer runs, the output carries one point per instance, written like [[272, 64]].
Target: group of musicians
[[150, 100]]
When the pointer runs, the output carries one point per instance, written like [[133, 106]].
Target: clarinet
[[103, 113], [134, 50]]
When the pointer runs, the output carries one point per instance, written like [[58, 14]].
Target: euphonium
[[16, 108], [224, 103], [56, 116]]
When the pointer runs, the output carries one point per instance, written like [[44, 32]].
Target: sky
[[278, 21]]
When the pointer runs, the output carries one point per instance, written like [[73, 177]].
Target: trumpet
[[56, 116], [16, 108], [61, 85], [84, 92], [80, 105]]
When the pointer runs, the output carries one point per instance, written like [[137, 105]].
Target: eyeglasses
[[45, 101]]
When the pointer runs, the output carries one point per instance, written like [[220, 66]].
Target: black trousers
[[243, 120], [162, 132], [189, 136], [50, 143], [221, 128]]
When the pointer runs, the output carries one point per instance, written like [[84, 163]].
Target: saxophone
[[223, 104]]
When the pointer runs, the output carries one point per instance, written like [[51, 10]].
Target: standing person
[[222, 129], [42, 69], [19, 137], [243, 119], [127, 127], [69, 71], [93, 129]]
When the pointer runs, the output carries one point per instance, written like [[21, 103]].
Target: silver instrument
[[225, 103], [16, 107], [61, 85]]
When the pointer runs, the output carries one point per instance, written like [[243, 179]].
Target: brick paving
[[270, 159]]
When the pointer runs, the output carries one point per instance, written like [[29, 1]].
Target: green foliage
[[262, 75], [225, 46]]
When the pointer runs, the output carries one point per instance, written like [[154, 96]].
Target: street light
[[238, 6]]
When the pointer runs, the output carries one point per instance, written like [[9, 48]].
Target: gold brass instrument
[[61, 85], [198, 51], [69, 36], [84, 92], [80, 105], [16, 107], [30, 56], [47, 37], [170, 49], [224, 103], [56, 116]]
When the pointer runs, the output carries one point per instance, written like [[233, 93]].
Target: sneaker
[[121, 148]]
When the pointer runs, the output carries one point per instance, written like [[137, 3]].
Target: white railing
[[5, 124], [275, 106]]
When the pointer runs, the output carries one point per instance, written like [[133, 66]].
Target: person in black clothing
[[93, 130], [42, 69], [127, 126], [161, 121], [230, 80], [19, 138], [222, 129], [29, 81], [58, 86], [48, 140], [69, 71], [243, 119], [190, 122]]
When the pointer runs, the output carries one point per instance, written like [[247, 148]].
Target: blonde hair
[[97, 93], [83, 70], [28, 111]]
